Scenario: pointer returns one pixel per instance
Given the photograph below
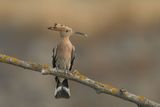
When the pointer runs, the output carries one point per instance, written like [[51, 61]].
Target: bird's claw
[[56, 69], [66, 71]]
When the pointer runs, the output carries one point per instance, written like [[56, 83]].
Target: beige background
[[123, 49]]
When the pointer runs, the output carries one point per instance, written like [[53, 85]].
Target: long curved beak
[[81, 34], [56, 28], [51, 28]]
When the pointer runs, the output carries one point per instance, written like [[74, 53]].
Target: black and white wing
[[54, 59], [72, 58]]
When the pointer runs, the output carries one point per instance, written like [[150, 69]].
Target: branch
[[76, 76]]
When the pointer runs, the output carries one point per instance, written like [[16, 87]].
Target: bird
[[63, 58]]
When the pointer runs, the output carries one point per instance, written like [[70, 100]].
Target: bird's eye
[[66, 30]]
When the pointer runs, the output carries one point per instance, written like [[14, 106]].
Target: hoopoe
[[63, 58]]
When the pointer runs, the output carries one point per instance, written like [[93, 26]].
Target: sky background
[[123, 49]]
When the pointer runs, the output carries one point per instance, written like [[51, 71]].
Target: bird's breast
[[64, 50]]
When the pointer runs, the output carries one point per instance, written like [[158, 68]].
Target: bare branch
[[76, 76]]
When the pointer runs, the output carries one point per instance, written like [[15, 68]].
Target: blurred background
[[123, 49]]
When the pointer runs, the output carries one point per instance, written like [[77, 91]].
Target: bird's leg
[[66, 71], [56, 69]]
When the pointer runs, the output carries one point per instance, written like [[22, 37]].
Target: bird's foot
[[56, 69], [66, 71]]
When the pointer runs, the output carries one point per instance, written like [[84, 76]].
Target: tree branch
[[76, 76]]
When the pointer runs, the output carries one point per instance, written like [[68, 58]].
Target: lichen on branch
[[76, 76]]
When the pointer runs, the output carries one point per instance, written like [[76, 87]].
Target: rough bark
[[141, 101]]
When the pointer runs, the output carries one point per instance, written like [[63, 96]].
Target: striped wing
[[72, 58]]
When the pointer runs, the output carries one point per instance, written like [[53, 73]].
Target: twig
[[76, 76]]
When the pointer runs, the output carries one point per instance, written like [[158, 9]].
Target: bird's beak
[[56, 28], [81, 34], [51, 28]]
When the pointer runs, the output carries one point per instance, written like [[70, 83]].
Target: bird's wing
[[72, 57], [54, 59]]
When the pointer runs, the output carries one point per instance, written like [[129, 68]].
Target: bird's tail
[[62, 89]]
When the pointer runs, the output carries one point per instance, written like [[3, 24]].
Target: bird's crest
[[64, 28], [60, 27]]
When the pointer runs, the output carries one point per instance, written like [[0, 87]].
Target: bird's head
[[64, 30]]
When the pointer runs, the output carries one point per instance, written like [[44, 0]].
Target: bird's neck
[[65, 39]]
